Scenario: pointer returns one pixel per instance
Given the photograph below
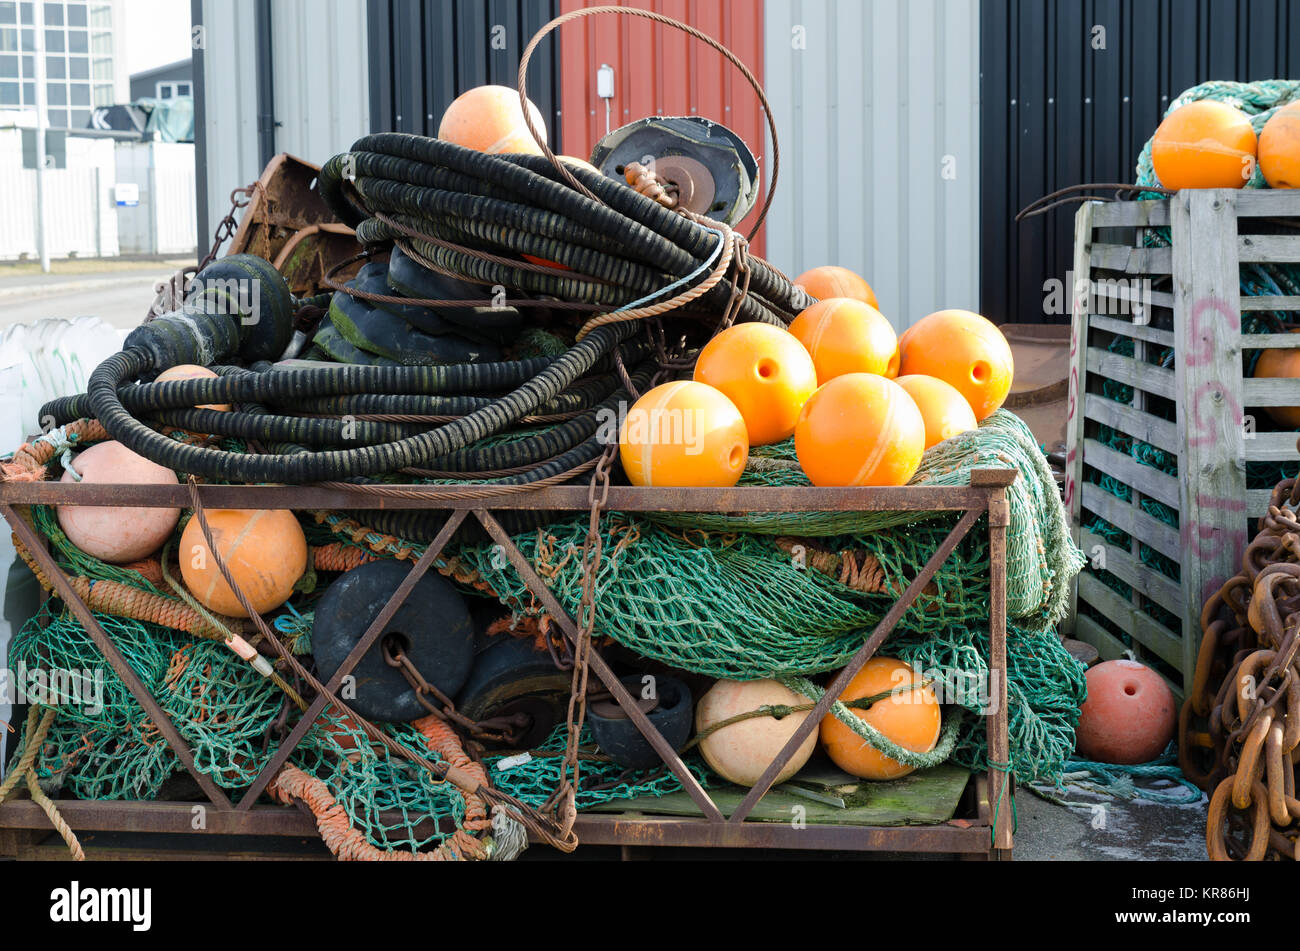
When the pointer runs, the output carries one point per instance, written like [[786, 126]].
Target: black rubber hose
[[335, 464]]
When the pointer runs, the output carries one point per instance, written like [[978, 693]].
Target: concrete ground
[[119, 291], [1099, 829]]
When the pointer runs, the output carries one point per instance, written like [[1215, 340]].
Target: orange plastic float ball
[[945, 411], [488, 119], [860, 429], [117, 534], [844, 335], [1204, 144], [265, 551], [1279, 148], [1281, 364], [683, 434], [765, 371], [1129, 716], [964, 350], [740, 751], [831, 281], [909, 716]]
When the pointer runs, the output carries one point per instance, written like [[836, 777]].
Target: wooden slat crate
[[1171, 453]]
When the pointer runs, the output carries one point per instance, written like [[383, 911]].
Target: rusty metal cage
[[987, 833]]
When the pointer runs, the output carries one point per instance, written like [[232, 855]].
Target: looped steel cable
[[666, 21]]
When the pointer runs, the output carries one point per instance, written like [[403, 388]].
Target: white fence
[[80, 215]]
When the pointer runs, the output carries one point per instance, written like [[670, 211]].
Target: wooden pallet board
[[925, 797]]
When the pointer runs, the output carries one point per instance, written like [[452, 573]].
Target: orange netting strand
[[349, 845], [31, 459]]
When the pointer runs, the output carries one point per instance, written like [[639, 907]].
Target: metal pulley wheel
[[432, 628], [714, 171]]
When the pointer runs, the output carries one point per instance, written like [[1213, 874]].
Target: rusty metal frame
[[990, 835]]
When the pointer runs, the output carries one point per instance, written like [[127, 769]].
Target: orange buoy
[[740, 751], [832, 281], [265, 551], [1129, 716], [909, 716], [117, 534], [1280, 364], [945, 411], [860, 429], [488, 119], [964, 350], [1204, 144], [845, 335], [1279, 148], [683, 434], [765, 371]]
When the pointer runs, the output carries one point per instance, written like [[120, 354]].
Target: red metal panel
[[662, 71]]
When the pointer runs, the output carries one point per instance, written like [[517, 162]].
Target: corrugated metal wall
[[423, 55], [1059, 112], [659, 70], [877, 106], [320, 82]]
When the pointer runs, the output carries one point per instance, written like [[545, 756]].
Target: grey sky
[[157, 32]]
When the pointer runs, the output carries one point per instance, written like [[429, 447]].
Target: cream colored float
[[741, 751]]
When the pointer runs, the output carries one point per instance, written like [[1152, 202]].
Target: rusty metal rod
[[597, 663], [36, 546], [299, 731], [864, 654]]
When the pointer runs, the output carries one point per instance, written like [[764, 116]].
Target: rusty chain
[[1239, 728]]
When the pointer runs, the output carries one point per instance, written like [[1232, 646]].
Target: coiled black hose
[[448, 202]]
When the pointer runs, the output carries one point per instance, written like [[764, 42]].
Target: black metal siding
[[1055, 112], [424, 54]]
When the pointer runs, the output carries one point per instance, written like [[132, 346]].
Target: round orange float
[[945, 411], [860, 429], [488, 119], [964, 350], [909, 716], [1281, 364], [844, 335], [1129, 716], [683, 434], [765, 371], [1279, 148], [740, 751], [1204, 144], [117, 534], [265, 551], [830, 280]]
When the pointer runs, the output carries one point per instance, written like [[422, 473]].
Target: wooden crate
[[1158, 310]]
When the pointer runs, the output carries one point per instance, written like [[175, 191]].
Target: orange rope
[[337, 556], [31, 458]]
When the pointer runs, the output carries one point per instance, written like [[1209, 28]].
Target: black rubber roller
[[433, 628]]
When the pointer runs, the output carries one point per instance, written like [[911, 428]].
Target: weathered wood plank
[[1130, 214], [1126, 328], [1270, 391], [1271, 447], [1121, 291], [1111, 647], [1209, 403], [1080, 305], [1270, 302], [1150, 482], [1268, 248], [1132, 572], [1123, 369], [1267, 203], [1131, 519], [1138, 624], [1119, 416], [1140, 261]]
